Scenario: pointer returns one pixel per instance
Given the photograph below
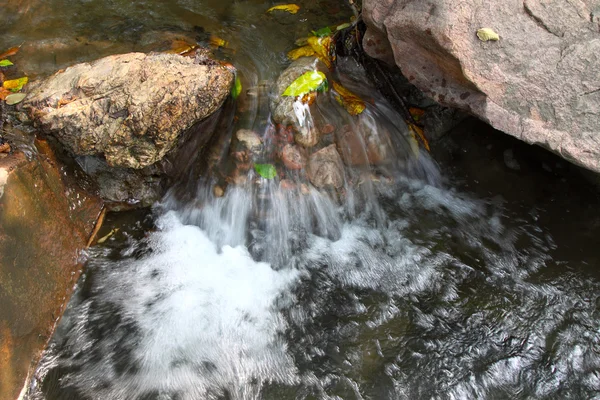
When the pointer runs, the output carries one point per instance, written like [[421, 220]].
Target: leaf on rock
[[305, 51], [14, 85], [322, 47], [182, 48], [350, 101], [291, 8], [308, 82], [326, 31], [343, 26], [237, 88], [5, 63], [15, 98], [10, 52], [485, 34], [267, 171], [418, 132]]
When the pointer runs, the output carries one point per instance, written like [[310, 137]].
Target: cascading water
[[364, 278]]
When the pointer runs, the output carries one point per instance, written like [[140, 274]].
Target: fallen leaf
[[217, 41], [15, 85], [103, 238], [182, 48], [350, 101], [415, 130], [309, 98], [4, 148], [267, 171], [308, 82], [326, 31], [1, 77], [4, 93], [5, 63], [343, 26], [303, 41], [305, 51], [10, 52], [236, 89], [291, 8], [416, 113], [322, 47], [15, 98], [485, 34]]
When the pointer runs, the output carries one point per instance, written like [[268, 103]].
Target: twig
[[97, 227]]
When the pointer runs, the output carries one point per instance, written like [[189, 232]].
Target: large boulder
[[539, 82], [121, 115], [45, 222]]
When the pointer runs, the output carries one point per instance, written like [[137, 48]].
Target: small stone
[[287, 184], [325, 168], [307, 137], [218, 191], [327, 129], [292, 157], [249, 139], [304, 189], [4, 148]]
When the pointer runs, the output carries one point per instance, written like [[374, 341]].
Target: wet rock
[[539, 82], [326, 169], [285, 110], [128, 108], [45, 221], [249, 139], [365, 143], [218, 191], [293, 158]]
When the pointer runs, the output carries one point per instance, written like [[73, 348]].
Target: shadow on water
[[402, 278]]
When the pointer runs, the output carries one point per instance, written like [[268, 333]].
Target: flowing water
[[416, 279]]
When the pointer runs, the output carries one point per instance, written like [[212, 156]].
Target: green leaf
[[326, 31], [306, 83], [15, 98], [237, 88], [485, 34], [267, 171], [5, 63]]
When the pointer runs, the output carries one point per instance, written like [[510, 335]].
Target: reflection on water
[[398, 285]]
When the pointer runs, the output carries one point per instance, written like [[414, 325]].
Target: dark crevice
[[538, 20]]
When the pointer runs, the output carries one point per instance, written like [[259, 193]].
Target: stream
[[467, 273]]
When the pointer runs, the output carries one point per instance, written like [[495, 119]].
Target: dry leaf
[[4, 148], [15, 98], [305, 51], [291, 8], [485, 34], [217, 41], [350, 101], [10, 52], [4, 93], [309, 98], [415, 130], [103, 238], [416, 113], [182, 48], [322, 48]]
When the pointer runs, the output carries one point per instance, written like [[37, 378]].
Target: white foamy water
[[187, 320]]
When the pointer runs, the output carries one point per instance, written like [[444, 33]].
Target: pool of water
[[474, 277]]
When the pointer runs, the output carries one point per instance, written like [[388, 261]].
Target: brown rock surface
[[325, 168], [539, 82], [129, 108], [44, 223]]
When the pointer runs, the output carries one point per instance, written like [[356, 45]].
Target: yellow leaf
[[418, 132], [10, 52], [350, 101], [322, 48], [291, 8], [109, 234], [15, 85], [416, 113], [308, 82], [305, 51], [485, 34], [217, 41], [182, 47]]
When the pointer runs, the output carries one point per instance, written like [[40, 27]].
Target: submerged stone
[[326, 169]]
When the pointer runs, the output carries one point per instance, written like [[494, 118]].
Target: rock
[[364, 143], [292, 157], [45, 221], [325, 168], [539, 82], [128, 108], [249, 139], [218, 191], [286, 111]]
